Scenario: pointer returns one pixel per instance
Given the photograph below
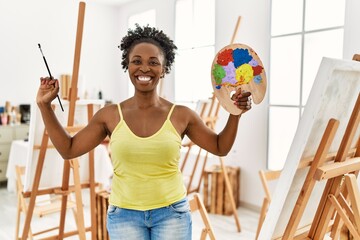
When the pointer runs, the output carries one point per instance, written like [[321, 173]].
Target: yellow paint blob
[[244, 74]]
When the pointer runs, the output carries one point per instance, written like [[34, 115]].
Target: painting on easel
[[333, 96], [53, 163]]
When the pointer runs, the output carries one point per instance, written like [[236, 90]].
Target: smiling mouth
[[144, 78]]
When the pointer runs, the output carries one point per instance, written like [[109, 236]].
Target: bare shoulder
[[183, 117], [107, 111], [108, 116], [184, 111]]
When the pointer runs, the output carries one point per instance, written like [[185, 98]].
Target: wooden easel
[[209, 117], [197, 205], [68, 164], [210, 120], [346, 161], [333, 201], [266, 176]]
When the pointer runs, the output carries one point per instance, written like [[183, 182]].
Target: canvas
[[333, 95], [52, 171]]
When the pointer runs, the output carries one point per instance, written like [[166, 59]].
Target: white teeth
[[144, 78]]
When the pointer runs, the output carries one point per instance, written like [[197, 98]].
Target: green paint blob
[[218, 73]]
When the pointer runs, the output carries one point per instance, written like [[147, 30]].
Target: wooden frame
[[289, 211], [265, 177], [209, 116], [68, 164], [197, 205], [320, 173], [348, 212], [47, 206], [210, 120]]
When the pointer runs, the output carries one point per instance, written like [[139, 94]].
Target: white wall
[[352, 30], [24, 24]]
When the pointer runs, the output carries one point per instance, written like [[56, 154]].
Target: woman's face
[[146, 66]]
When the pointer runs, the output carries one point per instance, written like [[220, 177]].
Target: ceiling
[[112, 2]]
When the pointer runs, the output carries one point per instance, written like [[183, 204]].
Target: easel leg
[[350, 215], [79, 214], [264, 209], [326, 209], [79, 202], [230, 192], [202, 172], [343, 215], [193, 172], [309, 182], [354, 196], [64, 188], [35, 187], [92, 195], [90, 111]]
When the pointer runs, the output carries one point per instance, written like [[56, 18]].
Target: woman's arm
[[68, 146], [218, 144]]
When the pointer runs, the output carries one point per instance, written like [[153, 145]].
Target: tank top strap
[[120, 112], [171, 110]]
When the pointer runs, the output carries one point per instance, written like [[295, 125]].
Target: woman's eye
[[136, 61], [154, 63]]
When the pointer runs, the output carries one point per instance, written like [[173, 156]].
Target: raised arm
[[68, 146], [218, 144]]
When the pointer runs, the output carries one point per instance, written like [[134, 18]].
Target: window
[[195, 39], [302, 32], [143, 19]]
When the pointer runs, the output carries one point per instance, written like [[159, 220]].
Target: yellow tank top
[[146, 169]]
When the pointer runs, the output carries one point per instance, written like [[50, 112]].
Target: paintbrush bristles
[[41, 49]]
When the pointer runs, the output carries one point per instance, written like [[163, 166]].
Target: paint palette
[[237, 66]]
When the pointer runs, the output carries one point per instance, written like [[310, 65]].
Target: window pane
[[183, 24], [285, 70], [192, 75], [286, 16], [192, 29], [282, 126], [204, 36], [316, 46], [324, 13]]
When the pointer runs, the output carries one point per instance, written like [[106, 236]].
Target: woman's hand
[[242, 100], [48, 90]]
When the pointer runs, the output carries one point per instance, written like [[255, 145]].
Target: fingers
[[242, 99], [49, 83]]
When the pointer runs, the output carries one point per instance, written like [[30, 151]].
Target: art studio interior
[[291, 172]]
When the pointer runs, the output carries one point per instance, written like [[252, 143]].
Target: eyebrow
[[141, 57]]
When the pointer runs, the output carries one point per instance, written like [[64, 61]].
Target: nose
[[144, 68]]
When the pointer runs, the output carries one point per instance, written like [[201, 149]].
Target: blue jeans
[[171, 222]]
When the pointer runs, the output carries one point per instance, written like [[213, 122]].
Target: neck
[[141, 100]]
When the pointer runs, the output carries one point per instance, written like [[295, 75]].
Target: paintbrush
[[51, 77]]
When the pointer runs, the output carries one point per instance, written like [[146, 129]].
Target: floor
[[224, 226]]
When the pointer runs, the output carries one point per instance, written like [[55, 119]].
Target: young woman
[[148, 196]]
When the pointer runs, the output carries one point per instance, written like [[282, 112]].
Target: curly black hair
[[150, 35]]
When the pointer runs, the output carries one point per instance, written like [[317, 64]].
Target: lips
[[144, 78]]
